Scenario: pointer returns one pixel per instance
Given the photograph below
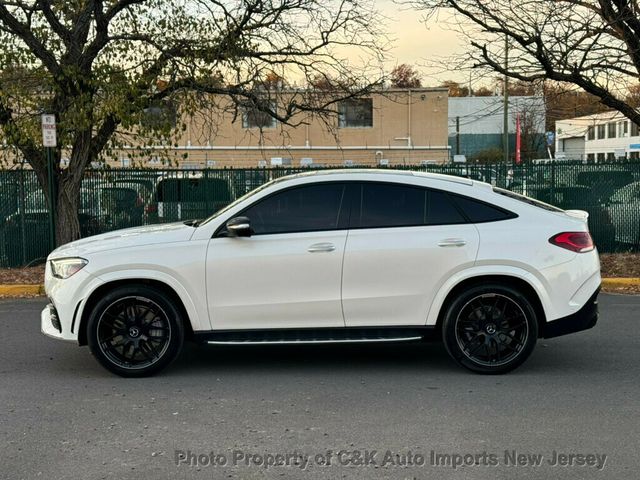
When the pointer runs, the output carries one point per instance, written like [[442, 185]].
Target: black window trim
[[350, 198]]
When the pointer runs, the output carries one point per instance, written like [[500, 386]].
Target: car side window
[[441, 210], [384, 205], [300, 209], [479, 212], [390, 205]]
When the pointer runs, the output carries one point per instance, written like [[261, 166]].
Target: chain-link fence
[[121, 198]]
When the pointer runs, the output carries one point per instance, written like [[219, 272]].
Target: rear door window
[[390, 205], [441, 210]]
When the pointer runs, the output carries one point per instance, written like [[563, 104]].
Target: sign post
[[49, 141]]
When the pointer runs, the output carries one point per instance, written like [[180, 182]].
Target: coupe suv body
[[333, 256]]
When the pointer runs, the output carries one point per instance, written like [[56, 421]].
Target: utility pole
[[457, 135], [505, 127]]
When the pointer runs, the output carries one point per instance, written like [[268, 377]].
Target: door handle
[[452, 242], [321, 247]]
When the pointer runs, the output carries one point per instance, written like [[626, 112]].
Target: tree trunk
[[68, 202]]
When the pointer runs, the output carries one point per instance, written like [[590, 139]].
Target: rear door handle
[[321, 247], [452, 242]]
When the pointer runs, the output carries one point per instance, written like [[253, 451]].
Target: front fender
[[197, 316]]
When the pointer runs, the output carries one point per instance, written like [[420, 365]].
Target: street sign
[[49, 130], [551, 137]]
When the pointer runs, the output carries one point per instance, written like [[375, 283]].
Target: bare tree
[[455, 89], [594, 44], [98, 65], [405, 76]]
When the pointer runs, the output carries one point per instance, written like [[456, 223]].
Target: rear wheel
[[490, 328], [135, 331]]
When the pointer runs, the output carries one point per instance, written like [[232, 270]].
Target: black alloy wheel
[[490, 329], [135, 331]]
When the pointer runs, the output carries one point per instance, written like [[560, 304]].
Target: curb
[[620, 282], [18, 290]]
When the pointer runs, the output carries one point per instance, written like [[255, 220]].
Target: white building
[[606, 136], [477, 123]]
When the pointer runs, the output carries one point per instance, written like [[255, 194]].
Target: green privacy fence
[[121, 198]]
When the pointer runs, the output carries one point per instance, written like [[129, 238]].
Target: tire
[[490, 328], [135, 331]]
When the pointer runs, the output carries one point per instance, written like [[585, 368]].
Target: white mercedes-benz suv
[[334, 256]]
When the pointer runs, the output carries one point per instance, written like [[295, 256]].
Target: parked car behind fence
[[119, 198]]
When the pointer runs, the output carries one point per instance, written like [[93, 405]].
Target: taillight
[[151, 208], [575, 241]]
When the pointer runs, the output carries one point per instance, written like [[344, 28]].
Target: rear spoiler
[[579, 214]]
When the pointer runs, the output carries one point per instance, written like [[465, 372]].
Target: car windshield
[[236, 202]]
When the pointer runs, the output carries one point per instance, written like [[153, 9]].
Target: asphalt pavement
[[572, 411]]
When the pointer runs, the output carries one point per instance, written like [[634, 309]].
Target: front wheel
[[490, 328], [135, 331]]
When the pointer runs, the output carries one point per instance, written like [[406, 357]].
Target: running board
[[315, 335]]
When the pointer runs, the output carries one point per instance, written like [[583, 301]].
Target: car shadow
[[198, 358]]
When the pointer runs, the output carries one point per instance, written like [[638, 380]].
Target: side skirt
[[317, 335]]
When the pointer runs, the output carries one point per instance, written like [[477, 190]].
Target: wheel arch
[[515, 281], [104, 288]]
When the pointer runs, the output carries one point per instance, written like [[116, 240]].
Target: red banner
[[518, 160]]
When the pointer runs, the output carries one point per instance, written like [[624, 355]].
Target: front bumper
[[583, 319], [50, 323], [61, 318]]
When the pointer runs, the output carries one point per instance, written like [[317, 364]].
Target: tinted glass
[[479, 211], [193, 190], [386, 205], [441, 210], [302, 209]]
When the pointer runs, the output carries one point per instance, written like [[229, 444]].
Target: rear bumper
[[583, 319]]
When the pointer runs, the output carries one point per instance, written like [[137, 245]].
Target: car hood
[[129, 237]]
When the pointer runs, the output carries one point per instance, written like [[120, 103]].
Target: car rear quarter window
[[301, 209], [479, 212]]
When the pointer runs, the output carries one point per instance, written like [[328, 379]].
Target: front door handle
[[321, 247], [452, 242]]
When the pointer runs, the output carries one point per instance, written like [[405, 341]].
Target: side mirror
[[239, 227]]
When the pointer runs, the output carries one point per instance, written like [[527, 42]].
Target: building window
[[591, 157], [624, 129], [635, 130], [611, 127], [254, 118], [611, 157], [356, 112], [601, 132], [591, 133], [601, 157]]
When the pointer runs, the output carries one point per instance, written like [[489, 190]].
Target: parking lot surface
[[370, 411]]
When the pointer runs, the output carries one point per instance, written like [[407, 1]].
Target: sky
[[417, 43]]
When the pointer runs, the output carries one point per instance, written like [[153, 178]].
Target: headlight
[[65, 267]]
